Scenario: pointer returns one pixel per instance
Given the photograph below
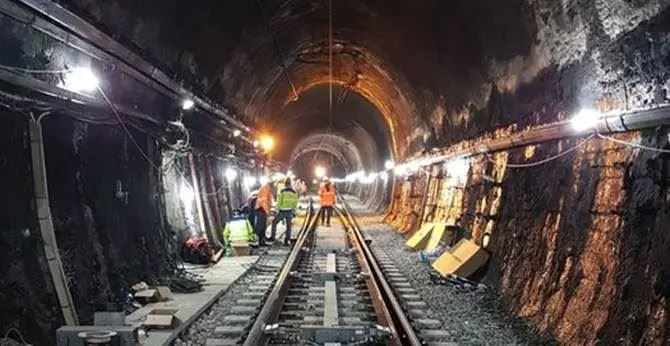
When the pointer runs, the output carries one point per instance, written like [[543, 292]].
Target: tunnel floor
[[469, 313]]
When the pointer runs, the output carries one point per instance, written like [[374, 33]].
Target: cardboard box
[[463, 259], [162, 319], [163, 293], [146, 296], [441, 233], [241, 249], [419, 240]]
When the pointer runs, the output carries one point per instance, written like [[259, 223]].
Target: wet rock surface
[[472, 314]]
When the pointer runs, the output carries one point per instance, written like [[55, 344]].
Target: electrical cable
[[125, 128], [26, 70], [543, 161], [330, 77], [17, 332], [633, 145], [275, 43]]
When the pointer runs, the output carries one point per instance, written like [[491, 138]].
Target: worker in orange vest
[[327, 199], [263, 207]]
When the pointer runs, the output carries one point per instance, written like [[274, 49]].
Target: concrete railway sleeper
[[229, 320], [330, 290]]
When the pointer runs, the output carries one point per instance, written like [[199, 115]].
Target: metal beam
[[45, 223], [83, 36], [29, 83], [620, 122]]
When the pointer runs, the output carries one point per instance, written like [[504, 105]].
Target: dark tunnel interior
[[423, 112]]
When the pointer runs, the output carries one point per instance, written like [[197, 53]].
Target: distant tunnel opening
[[353, 137]]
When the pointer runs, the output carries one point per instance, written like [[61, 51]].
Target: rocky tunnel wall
[[579, 243], [117, 219]]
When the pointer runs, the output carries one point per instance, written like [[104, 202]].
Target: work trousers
[[286, 215], [327, 213], [261, 225]]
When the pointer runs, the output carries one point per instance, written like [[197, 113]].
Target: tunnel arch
[[362, 73]]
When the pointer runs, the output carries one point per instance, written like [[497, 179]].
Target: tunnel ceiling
[[396, 54], [428, 67]]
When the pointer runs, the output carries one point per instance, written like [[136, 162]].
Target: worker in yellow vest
[[238, 230]]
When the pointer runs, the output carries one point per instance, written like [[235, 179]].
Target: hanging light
[[186, 194], [237, 133], [230, 174], [384, 176], [585, 119], [320, 171], [187, 104], [458, 170], [249, 181], [267, 143], [80, 79]]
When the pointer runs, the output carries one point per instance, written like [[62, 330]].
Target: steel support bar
[[198, 198], [66, 95], [45, 223], [85, 37]]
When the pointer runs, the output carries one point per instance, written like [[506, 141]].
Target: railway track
[[331, 290]]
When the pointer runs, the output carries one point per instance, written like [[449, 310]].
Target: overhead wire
[[278, 50], [633, 145], [17, 332], [26, 70], [330, 78], [125, 128], [546, 160]]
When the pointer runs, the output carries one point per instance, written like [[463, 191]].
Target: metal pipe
[[207, 208], [196, 191], [45, 222], [88, 39], [623, 122]]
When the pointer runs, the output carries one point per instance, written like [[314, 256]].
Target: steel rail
[[384, 317], [401, 326], [273, 304]]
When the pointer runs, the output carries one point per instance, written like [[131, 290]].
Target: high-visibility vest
[[287, 199], [238, 229], [327, 197]]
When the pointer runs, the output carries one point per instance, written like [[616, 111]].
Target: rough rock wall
[[107, 212], [580, 244], [26, 291]]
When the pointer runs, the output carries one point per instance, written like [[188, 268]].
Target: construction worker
[[327, 199], [238, 229], [287, 202], [250, 208], [263, 208]]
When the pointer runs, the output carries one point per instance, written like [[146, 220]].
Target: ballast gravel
[[203, 328], [472, 315]]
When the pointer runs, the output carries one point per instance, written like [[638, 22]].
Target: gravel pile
[[473, 314], [203, 328]]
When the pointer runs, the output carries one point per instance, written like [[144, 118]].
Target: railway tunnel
[[538, 126]]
